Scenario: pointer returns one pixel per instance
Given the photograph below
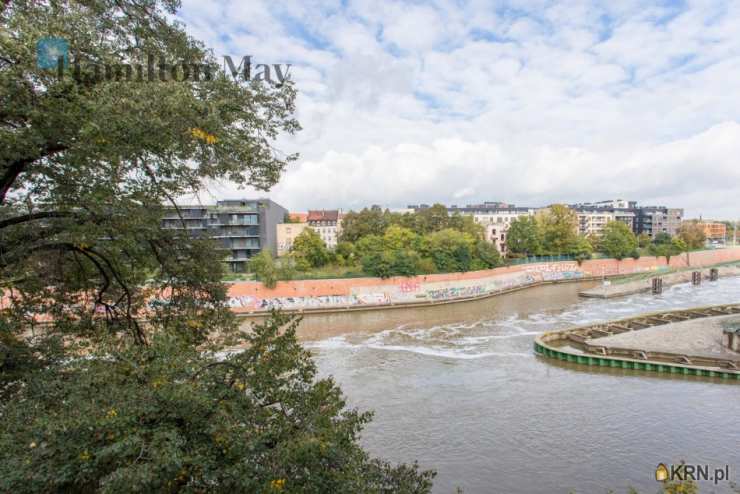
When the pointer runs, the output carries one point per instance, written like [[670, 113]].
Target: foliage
[[662, 238], [378, 263], [487, 254], [369, 244], [558, 226], [264, 269], [372, 221], [617, 240], [309, 246], [523, 236], [397, 237], [451, 250], [85, 168], [643, 240], [692, 234], [345, 252], [582, 250], [665, 246], [169, 418]]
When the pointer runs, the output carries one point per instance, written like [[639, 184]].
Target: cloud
[[525, 102]]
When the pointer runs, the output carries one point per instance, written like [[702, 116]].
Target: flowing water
[[472, 400]]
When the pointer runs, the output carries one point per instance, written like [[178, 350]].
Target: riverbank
[[252, 298]]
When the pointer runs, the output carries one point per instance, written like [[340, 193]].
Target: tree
[[487, 254], [523, 236], [85, 168], [370, 244], [345, 252], [692, 233], [467, 224], [451, 250], [559, 227], [309, 245], [397, 238], [617, 240], [263, 267], [371, 221], [582, 250], [378, 263], [643, 240], [433, 219]]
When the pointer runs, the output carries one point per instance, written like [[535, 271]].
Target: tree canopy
[[124, 384], [617, 240], [559, 229], [523, 236], [308, 245], [692, 233]]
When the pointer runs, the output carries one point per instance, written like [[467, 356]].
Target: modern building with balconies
[[241, 227]]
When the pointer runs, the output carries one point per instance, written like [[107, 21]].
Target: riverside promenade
[[332, 295]]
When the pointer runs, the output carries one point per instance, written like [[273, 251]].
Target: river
[[472, 400]]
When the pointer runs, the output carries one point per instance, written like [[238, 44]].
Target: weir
[[585, 345]]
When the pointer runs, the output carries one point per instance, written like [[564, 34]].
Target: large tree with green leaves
[[617, 240], [524, 236], [558, 226], [308, 245], [86, 270]]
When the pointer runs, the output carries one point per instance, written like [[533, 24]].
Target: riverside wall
[[300, 295]]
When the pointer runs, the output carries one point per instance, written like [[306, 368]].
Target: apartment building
[[652, 220], [495, 218], [241, 227], [713, 230], [592, 220], [328, 224]]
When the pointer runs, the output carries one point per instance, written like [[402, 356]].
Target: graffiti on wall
[[456, 292], [409, 286], [298, 303], [563, 275]]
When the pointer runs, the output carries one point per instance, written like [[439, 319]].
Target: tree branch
[[15, 168], [34, 216]]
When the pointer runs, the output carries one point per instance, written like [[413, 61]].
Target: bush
[[168, 417], [263, 267]]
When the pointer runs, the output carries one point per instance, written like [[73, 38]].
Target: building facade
[[592, 220], [286, 235], [242, 228], [714, 231], [328, 224], [653, 220], [495, 218]]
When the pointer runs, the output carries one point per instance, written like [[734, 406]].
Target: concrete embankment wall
[[249, 297]]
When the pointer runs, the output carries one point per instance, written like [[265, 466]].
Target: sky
[[526, 102]]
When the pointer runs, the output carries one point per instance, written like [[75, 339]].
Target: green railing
[[534, 259]]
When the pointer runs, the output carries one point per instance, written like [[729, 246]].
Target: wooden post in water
[[713, 274], [657, 286], [696, 278]]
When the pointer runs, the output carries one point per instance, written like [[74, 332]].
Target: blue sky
[[530, 102]]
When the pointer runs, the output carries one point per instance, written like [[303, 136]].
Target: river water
[[472, 400]]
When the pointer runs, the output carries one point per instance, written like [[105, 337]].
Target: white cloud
[[523, 102]]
